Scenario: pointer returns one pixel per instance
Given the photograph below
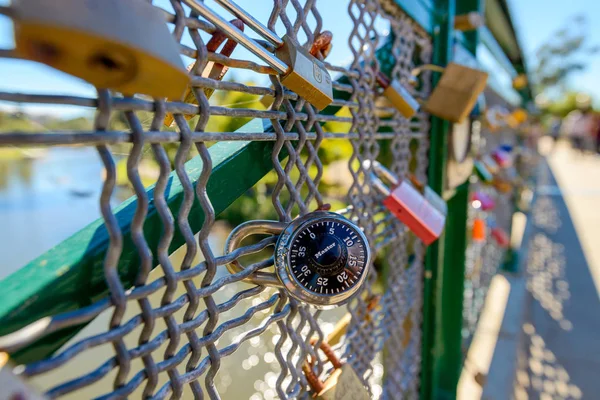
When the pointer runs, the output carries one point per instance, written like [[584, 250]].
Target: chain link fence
[[186, 327]]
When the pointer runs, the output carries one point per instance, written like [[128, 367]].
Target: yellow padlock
[[399, 96], [342, 384], [120, 45], [456, 92], [468, 22]]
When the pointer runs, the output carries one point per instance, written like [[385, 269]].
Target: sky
[[535, 21]]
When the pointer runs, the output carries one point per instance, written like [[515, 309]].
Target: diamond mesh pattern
[[173, 332]]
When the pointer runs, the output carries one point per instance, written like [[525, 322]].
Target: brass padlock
[[399, 96], [12, 387], [297, 69], [456, 92], [468, 22], [212, 70], [342, 384], [120, 45]]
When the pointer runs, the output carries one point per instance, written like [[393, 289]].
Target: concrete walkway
[[561, 350]]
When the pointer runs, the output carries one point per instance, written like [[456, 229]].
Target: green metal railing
[[51, 299]]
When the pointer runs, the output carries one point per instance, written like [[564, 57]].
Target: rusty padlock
[[342, 384], [120, 45], [12, 387], [408, 205], [298, 70], [398, 96], [212, 70], [456, 92], [483, 201]]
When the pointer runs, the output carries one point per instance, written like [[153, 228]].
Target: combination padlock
[[342, 383], [321, 258], [299, 71], [409, 205], [212, 70], [120, 45], [456, 92], [398, 96]]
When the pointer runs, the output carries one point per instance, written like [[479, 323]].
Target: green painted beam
[[423, 12], [448, 361], [438, 151], [70, 276]]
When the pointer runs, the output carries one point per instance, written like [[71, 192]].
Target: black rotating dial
[[327, 256]]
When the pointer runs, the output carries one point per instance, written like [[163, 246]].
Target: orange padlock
[[479, 228]]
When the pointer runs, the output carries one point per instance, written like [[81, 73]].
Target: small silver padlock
[[120, 45], [321, 258], [398, 96], [298, 69], [426, 219]]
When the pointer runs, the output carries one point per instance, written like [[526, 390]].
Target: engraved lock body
[[298, 69], [398, 96], [120, 45], [456, 92], [321, 258], [408, 204], [342, 384]]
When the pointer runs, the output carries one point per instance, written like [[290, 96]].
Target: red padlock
[[410, 207], [485, 201], [501, 237], [502, 158]]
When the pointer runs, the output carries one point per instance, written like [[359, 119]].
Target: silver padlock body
[[401, 99], [307, 76], [120, 45]]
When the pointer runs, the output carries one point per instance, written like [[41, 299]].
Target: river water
[[47, 198]]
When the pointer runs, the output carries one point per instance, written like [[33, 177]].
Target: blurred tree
[[566, 52]]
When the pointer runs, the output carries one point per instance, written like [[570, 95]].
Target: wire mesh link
[[172, 332]]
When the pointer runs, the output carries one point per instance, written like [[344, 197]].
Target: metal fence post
[[442, 47]]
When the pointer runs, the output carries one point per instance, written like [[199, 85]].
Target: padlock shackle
[[234, 33], [252, 22], [241, 232], [378, 171], [316, 384], [427, 67]]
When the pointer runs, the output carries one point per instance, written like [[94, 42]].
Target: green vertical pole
[[442, 48]]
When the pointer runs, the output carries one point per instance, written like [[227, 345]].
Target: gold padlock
[[11, 386], [120, 45], [456, 92], [297, 69], [397, 94], [342, 384], [341, 327], [468, 22]]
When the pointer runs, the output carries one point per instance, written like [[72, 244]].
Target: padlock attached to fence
[[342, 383], [398, 96], [212, 70], [13, 387], [120, 45], [501, 237], [321, 258], [456, 92], [483, 201], [298, 70], [482, 172], [479, 231], [408, 204], [502, 158]]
